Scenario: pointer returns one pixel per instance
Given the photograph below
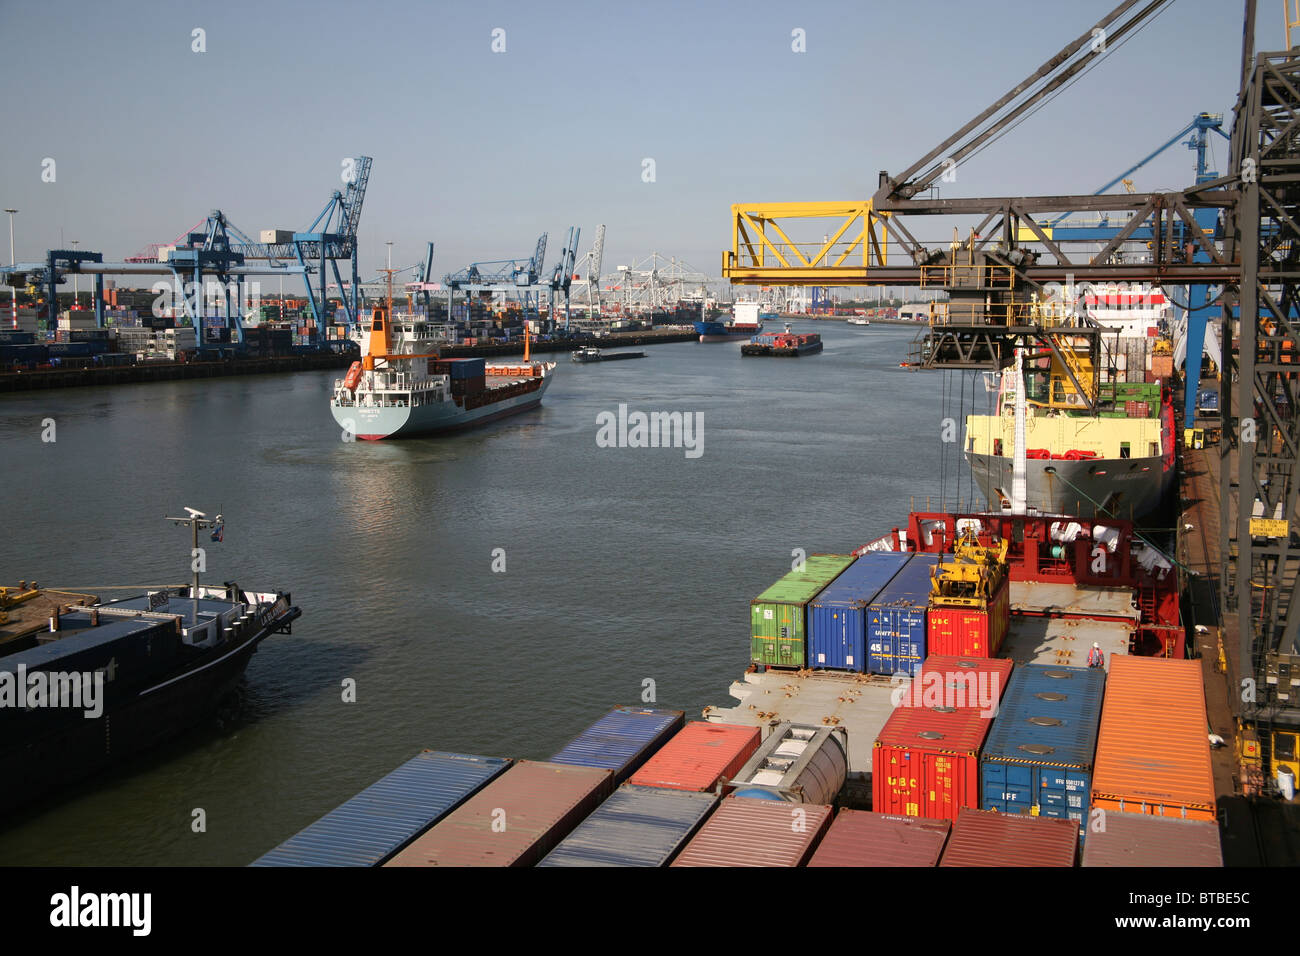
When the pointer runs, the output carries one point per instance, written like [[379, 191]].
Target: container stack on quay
[[1038, 757]]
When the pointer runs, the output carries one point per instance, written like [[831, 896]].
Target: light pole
[[13, 289], [74, 243]]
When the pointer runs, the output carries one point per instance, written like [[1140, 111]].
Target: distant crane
[[562, 276], [588, 270], [519, 276]]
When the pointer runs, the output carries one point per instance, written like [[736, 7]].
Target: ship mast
[[1020, 465]]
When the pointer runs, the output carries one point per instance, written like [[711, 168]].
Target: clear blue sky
[[482, 152]]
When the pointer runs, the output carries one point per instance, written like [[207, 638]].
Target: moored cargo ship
[[401, 387], [745, 322], [86, 684]]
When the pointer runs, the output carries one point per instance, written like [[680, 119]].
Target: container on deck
[[926, 758], [637, 826], [896, 641], [1153, 750], [745, 832], [515, 820], [970, 630], [387, 815], [796, 763], [1137, 839], [1038, 757], [862, 838], [701, 756], [980, 838], [837, 617], [622, 740], [778, 616]]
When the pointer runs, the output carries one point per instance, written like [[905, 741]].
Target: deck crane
[[993, 278]]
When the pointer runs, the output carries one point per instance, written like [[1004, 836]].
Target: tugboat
[[401, 386], [85, 684]]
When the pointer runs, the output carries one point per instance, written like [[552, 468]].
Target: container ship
[[85, 684], [745, 322], [401, 387], [924, 700], [1109, 450]]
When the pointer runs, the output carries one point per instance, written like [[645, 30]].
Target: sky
[[481, 151]]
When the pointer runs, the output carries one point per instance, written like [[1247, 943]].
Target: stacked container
[[1133, 839], [926, 758], [702, 756], [837, 617], [515, 820], [1039, 754], [1153, 752], [637, 826], [622, 740], [999, 839], [859, 838], [744, 832], [778, 616], [383, 818], [976, 628], [896, 642]]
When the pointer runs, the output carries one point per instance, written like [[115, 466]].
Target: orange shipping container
[[1153, 752], [698, 757]]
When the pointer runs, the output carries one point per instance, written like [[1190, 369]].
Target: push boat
[[402, 387], [785, 344], [85, 684]]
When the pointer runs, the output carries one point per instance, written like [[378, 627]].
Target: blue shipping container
[[1039, 753], [896, 620], [622, 740], [383, 818], [837, 617], [636, 826]]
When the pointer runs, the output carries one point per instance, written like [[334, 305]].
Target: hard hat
[[1095, 644]]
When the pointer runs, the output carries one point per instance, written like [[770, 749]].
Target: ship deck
[[34, 614], [1063, 641], [860, 704], [1073, 600]]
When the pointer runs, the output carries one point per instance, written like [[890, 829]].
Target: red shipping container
[[513, 821], [957, 678], [860, 838], [748, 832], [967, 631], [699, 757], [986, 838]]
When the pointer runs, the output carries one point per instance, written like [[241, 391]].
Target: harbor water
[[492, 592]]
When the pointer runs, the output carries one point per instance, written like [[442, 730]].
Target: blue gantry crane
[[510, 276], [562, 275]]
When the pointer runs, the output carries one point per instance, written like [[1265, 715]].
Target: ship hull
[[133, 722], [376, 423], [1124, 487]]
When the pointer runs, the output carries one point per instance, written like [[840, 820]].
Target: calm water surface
[[622, 564]]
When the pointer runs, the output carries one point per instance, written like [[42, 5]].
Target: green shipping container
[[778, 617]]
